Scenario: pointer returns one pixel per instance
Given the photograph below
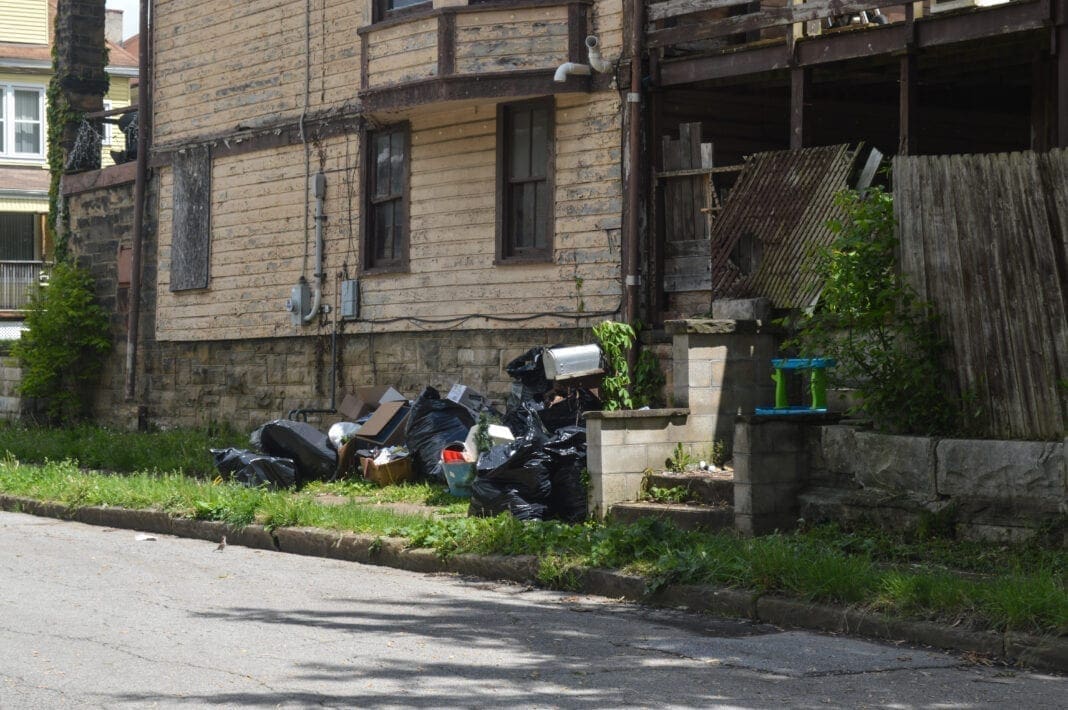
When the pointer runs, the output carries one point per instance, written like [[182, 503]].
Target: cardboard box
[[367, 399], [388, 474], [464, 395], [385, 427]]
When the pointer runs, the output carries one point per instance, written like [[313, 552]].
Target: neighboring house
[[399, 192], [26, 28]]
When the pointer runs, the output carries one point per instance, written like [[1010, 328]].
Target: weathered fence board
[[983, 238]]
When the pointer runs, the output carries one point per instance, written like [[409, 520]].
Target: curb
[[1040, 652]]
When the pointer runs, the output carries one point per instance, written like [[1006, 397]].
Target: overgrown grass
[[1020, 587], [182, 450]]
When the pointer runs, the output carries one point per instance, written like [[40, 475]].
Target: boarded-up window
[[524, 181], [191, 240]]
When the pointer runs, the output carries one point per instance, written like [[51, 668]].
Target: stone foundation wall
[[248, 382], [985, 489]]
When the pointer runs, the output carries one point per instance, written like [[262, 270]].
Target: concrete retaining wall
[[988, 489]]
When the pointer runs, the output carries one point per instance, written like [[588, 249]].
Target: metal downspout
[[634, 112], [144, 111]]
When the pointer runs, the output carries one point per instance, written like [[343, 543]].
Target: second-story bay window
[[22, 127], [389, 8]]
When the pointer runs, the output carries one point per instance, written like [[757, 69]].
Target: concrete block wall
[[10, 377], [622, 445], [770, 467], [720, 369]]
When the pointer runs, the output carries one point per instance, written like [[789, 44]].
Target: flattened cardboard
[[367, 399], [386, 425]]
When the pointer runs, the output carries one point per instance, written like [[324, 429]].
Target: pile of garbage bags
[[537, 471]]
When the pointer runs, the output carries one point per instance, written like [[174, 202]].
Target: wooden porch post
[[907, 105], [1061, 71], [800, 92], [1042, 102]]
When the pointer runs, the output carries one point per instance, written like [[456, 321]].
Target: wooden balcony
[[699, 40], [504, 48]]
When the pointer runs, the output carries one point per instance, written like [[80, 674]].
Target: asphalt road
[[96, 617]]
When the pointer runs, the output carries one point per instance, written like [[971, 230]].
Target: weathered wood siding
[[242, 62], [983, 237], [258, 244], [506, 40], [406, 52]]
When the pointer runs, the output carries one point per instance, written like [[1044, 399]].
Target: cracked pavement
[[94, 617]]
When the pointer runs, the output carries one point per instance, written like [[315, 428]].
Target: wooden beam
[[907, 106], [933, 31], [800, 92], [1042, 102], [446, 45], [1061, 70]]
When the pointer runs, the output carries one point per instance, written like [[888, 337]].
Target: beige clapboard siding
[[514, 39], [258, 244], [24, 21], [607, 24], [406, 52], [224, 64]]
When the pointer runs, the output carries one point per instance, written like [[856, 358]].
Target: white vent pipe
[[596, 63]]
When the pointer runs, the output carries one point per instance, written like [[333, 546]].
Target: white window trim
[[7, 96], [105, 127]]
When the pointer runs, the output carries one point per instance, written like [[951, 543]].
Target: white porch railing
[[16, 281]]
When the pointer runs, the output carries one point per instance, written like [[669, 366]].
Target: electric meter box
[[350, 299]]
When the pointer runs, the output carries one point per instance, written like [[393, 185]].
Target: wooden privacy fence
[[983, 238]]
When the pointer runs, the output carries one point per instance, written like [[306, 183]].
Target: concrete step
[[687, 516], [708, 487]]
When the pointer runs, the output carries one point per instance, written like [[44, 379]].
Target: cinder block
[[741, 309], [774, 468]]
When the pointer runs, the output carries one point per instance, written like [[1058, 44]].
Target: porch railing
[[17, 279]]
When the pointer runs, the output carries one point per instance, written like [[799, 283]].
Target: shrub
[[883, 337], [64, 347]]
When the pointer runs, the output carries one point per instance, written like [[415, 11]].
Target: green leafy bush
[[616, 339], [883, 337], [64, 347]]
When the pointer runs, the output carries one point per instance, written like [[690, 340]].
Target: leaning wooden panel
[[985, 234]]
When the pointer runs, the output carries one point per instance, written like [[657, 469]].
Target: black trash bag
[[253, 469], [513, 478], [529, 370], [569, 498], [568, 411], [490, 498], [529, 385], [310, 448], [433, 424], [525, 421]]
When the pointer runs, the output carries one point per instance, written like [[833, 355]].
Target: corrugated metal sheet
[[774, 219]]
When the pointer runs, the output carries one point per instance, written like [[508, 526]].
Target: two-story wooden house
[[410, 192], [26, 30], [431, 187]]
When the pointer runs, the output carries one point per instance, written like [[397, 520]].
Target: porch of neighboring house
[[24, 261]]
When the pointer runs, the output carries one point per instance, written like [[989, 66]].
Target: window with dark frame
[[524, 181], [390, 8], [386, 180]]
